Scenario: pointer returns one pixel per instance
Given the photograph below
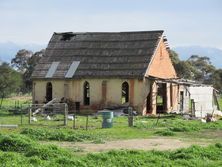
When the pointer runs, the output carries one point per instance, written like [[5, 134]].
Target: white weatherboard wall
[[203, 98]]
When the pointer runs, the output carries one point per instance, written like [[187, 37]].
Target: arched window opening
[[49, 91], [86, 93], [125, 92]]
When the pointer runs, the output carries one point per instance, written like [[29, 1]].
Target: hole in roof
[[67, 37]]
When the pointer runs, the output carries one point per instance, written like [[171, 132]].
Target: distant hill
[[8, 50], [214, 54]]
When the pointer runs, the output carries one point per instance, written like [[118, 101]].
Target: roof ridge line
[[108, 32]]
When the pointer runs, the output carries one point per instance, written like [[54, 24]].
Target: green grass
[[23, 146], [60, 134], [176, 123], [192, 156], [165, 132], [144, 127], [23, 151], [20, 150], [16, 101]]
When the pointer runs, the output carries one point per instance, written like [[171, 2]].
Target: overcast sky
[[185, 22]]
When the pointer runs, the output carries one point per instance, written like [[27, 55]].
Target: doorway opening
[[161, 101], [181, 100], [86, 93], [48, 91], [149, 101]]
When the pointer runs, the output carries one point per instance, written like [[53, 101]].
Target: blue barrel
[[107, 119]]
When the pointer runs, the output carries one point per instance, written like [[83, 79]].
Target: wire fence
[[55, 115]]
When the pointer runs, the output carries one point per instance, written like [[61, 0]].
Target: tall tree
[[197, 68], [203, 69], [10, 81], [174, 57], [31, 63], [20, 62], [24, 62], [183, 68], [217, 79]]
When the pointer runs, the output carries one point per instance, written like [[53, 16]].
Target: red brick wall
[[161, 65]]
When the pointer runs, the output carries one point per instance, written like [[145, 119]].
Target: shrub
[[17, 143], [50, 155], [47, 152], [59, 134], [165, 132], [23, 144]]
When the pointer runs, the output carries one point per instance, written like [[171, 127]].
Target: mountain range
[[8, 50], [214, 54]]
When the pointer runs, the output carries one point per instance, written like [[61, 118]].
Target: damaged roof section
[[117, 54]]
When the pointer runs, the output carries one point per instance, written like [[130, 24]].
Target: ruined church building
[[108, 69]]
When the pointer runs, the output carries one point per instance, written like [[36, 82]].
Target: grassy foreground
[[20, 150], [24, 146], [144, 127]]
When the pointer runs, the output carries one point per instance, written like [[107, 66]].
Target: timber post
[[30, 114], [74, 122], [87, 121], [66, 115], [130, 116], [21, 114]]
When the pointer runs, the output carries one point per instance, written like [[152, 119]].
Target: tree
[[24, 62], [217, 79], [20, 62], [10, 81], [197, 68], [174, 57], [31, 63], [202, 68], [183, 68]]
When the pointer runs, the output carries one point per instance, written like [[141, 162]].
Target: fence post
[[130, 116], [21, 114], [74, 121], [66, 115], [87, 120], [30, 113]]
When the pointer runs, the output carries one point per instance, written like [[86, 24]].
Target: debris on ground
[[70, 117], [34, 119]]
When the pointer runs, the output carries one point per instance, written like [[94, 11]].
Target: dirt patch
[[208, 135], [135, 144]]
